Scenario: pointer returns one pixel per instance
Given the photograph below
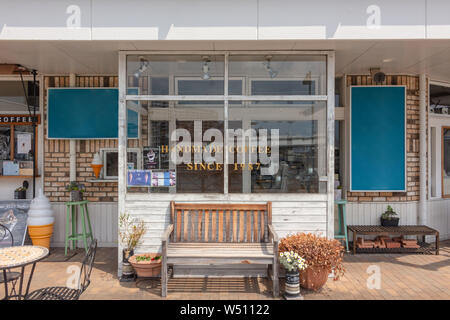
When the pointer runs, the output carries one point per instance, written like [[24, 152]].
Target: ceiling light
[[387, 60], [272, 73], [142, 68], [205, 68]]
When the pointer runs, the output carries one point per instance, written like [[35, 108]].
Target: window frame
[[104, 151], [328, 98]]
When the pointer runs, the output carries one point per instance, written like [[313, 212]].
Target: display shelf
[[26, 177]]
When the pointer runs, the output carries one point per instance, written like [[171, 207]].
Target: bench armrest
[[273, 236], [167, 233]]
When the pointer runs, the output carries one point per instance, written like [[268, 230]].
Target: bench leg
[[276, 285], [164, 277]]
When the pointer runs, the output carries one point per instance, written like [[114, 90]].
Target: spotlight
[[272, 73], [142, 68], [205, 68]]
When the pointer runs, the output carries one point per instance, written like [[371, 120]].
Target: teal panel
[[85, 113], [378, 139]]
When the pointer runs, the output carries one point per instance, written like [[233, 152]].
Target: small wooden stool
[[342, 222], [72, 211]]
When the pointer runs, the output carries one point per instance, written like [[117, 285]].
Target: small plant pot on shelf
[[76, 195], [22, 194], [393, 222], [147, 265]]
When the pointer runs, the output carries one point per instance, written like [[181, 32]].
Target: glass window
[[446, 161], [111, 162], [12, 97], [281, 74], [275, 145], [278, 151], [439, 99], [5, 136]]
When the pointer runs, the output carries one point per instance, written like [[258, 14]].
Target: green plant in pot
[[389, 218], [20, 193], [131, 231], [322, 256], [76, 191]]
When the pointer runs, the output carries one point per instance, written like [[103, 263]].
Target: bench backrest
[[218, 222]]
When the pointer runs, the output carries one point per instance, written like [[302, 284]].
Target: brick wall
[[56, 152], [412, 140]]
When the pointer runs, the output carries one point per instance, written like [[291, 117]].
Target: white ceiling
[[352, 56]]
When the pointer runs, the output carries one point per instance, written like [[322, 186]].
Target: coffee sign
[[20, 119]]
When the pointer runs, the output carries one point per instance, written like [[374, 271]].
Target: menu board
[[151, 178]]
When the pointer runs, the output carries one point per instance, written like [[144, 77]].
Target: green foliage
[[389, 213], [74, 186]]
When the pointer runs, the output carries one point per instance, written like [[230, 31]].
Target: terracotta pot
[[41, 235], [313, 278], [146, 269]]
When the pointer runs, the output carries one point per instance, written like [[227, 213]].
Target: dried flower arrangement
[[317, 251], [130, 231]]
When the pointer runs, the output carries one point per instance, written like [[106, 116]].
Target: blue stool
[[342, 235]]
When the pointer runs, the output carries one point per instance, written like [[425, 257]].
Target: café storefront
[[231, 127]]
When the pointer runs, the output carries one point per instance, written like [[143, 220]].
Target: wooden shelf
[[26, 177]]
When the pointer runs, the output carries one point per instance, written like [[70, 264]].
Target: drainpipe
[[423, 214], [73, 145]]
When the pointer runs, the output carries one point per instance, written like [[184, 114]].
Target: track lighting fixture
[[205, 68], [272, 73], [142, 67]]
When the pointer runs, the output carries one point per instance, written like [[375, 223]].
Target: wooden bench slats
[[178, 224], [227, 225]]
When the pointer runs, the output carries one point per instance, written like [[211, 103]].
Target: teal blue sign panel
[[378, 139], [86, 113]]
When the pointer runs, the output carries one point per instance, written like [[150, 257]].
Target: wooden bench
[[218, 234]]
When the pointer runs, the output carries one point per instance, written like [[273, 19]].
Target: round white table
[[20, 257]]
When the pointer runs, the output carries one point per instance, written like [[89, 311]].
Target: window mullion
[[225, 125]]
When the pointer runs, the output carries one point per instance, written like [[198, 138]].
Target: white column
[[122, 152], [330, 144], [73, 143], [422, 217]]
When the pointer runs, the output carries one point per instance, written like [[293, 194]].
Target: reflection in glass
[[446, 161]]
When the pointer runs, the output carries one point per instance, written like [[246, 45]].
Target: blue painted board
[[378, 139], [86, 113]]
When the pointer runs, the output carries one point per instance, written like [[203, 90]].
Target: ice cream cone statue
[[40, 221], [97, 165]]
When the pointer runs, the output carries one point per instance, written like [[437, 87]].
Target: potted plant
[[389, 218], [131, 230], [76, 191], [147, 264], [322, 256], [292, 262], [20, 193]]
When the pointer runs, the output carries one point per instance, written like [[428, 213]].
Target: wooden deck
[[402, 277]]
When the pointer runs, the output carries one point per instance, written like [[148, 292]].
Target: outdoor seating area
[[402, 277]]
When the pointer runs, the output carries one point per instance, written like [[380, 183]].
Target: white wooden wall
[[104, 221], [288, 216]]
